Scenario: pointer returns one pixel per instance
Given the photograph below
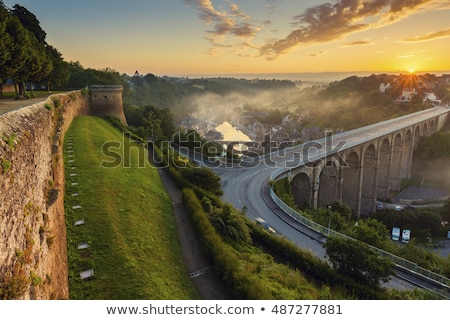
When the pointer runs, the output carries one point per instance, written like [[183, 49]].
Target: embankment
[[33, 254]]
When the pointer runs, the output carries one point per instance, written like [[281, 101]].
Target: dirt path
[[207, 283]]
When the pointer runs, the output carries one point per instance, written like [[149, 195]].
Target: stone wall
[[33, 255]]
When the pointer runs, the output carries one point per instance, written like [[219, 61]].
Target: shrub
[[10, 140], [6, 165], [56, 102]]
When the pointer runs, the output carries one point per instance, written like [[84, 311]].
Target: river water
[[231, 133]]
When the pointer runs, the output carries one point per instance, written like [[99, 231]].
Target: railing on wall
[[406, 264]]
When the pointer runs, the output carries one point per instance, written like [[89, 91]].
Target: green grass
[[129, 223]]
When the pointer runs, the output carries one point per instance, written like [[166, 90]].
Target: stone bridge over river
[[361, 165]]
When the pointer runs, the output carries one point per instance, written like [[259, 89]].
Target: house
[[213, 135], [407, 95], [384, 87], [430, 96], [287, 119], [8, 86]]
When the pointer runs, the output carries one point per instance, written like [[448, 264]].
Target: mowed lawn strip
[[129, 223]]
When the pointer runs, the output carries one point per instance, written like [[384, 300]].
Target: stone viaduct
[[362, 165]]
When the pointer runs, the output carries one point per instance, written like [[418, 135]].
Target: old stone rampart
[[33, 254]]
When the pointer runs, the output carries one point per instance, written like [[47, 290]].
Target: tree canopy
[[23, 54], [27, 58], [358, 261]]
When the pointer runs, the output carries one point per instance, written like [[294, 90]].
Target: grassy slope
[[129, 224]]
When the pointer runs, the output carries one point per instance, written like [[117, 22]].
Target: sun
[[411, 70]]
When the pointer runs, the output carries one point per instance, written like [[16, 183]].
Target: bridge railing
[[327, 232]]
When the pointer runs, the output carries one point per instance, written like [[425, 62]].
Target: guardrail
[[406, 264]]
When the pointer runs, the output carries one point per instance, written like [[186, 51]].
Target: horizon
[[222, 37], [300, 76]]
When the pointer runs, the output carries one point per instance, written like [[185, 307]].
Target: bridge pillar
[[329, 179], [369, 180], [396, 162], [407, 155], [384, 168], [316, 187], [350, 181]]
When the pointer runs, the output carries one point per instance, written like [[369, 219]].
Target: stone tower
[[106, 100]]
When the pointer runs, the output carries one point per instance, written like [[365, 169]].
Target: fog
[[217, 108], [433, 172]]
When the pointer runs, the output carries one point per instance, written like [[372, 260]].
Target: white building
[[430, 96], [384, 87], [407, 95]]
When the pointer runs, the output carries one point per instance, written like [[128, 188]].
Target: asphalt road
[[249, 187]]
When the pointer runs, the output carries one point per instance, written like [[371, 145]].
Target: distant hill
[[345, 104]]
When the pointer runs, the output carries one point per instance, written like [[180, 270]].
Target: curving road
[[248, 186]]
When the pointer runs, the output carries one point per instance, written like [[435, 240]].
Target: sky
[[221, 37]]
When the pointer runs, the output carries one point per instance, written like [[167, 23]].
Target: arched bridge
[[361, 165]]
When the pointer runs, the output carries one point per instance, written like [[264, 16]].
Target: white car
[[265, 225]]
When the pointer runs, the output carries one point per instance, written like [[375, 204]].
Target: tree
[[204, 178], [341, 208], [152, 125], [20, 51], [230, 224], [32, 65], [5, 45], [370, 231], [149, 78], [39, 66], [29, 22], [60, 72], [445, 212], [358, 261]]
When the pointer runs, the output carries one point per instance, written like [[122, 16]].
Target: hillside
[[302, 110], [128, 220]]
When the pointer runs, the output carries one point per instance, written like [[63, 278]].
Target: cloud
[[226, 25], [358, 43], [316, 54], [429, 36], [231, 30], [328, 22], [405, 55]]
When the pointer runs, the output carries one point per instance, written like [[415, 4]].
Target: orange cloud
[[328, 22], [317, 54], [429, 36], [234, 30], [225, 24], [358, 43]]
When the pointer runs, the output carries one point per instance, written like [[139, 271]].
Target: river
[[231, 133]]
